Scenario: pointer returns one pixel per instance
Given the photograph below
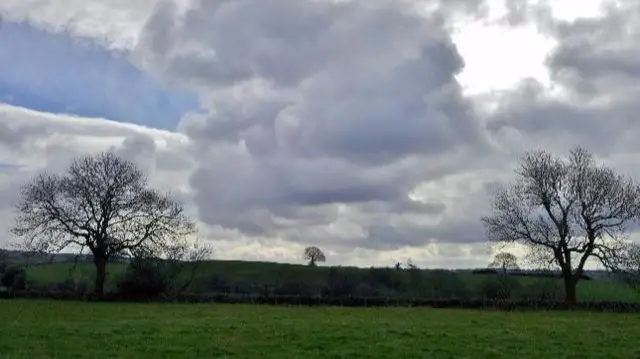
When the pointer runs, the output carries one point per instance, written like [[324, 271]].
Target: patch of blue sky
[[55, 72], [8, 166]]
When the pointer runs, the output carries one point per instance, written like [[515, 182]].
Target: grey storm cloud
[[312, 104], [599, 56], [319, 118], [596, 65], [390, 237]]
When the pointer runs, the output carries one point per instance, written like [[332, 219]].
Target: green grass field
[[45, 329], [269, 273]]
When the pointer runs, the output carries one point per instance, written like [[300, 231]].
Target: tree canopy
[[101, 203], [566, 211], [505, 261], [314, 255]]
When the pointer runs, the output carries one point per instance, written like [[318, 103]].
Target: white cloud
[[37, 141], [498, 57], [115, 23]]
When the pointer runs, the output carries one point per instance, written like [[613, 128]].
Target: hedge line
[[346, 301], [522, 273]]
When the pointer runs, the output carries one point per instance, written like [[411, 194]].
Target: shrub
[[499, 287], [445, 284], [485, 271], [143, 279], [385, 277], [293, 288], [543, 290], [218, 284], [14, 278], [341, 282]]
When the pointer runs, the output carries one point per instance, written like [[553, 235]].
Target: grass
[[65, 330], [270, 273]]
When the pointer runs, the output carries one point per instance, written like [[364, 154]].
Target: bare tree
[[183, 259], [314, 255], [505, 261], [626, 267], [102, 203], [410, 264], [565, 211]]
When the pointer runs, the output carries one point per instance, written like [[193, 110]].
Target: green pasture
[[64, 330]]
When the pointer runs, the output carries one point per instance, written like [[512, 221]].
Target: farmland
[[60, 330], [267, 274]]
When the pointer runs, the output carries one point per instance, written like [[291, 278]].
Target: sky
[[375, 130]]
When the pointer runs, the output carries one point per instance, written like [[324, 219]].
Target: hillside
[[249, 277]]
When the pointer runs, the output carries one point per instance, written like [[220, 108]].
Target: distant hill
[[16, 256], [34, 258], [247, 276]]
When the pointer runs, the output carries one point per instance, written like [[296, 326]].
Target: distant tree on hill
[[504, 261], [565, 211], [410, 265], [102, 203], [313, 255], [627, 266]]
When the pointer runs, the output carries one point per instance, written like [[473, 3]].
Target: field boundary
[[344, 301]]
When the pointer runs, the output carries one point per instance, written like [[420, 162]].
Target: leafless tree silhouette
[[101, 203], [566, 211]]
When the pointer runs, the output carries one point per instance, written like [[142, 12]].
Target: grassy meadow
[[64, 330]]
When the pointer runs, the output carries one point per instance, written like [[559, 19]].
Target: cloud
[[597, 56], [49, 141], [115, 23], [340, 124], [318, 114], [594, 71]]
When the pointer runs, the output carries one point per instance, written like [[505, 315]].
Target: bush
[[384, 277], [485, 271], [14, 278], [351, 301], [293, 288], [499, 287], [218, 284], [527, 273], [445, 284], [341, 282], [144, 279], [543, 290]]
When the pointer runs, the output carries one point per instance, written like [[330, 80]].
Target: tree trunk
[[570, 285], [101, 275]]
